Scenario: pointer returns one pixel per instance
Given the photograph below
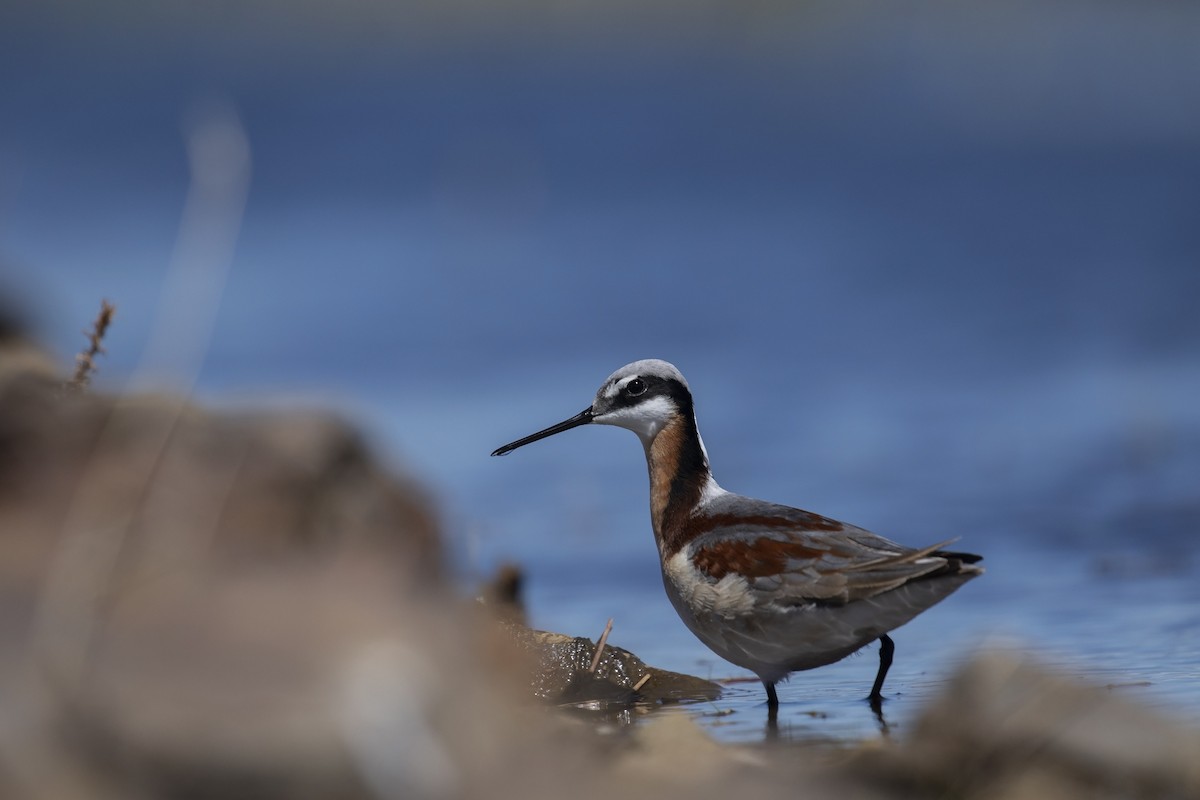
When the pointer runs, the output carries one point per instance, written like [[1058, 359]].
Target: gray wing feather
[[815, 559]]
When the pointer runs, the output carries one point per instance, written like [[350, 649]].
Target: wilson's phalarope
[[770, 588]]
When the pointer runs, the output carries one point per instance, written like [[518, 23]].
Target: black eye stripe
[[635, 387]]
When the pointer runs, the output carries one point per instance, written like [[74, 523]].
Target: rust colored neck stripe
[[678, 473]]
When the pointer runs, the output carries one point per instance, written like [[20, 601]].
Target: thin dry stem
[[85, 362], [600, 646]]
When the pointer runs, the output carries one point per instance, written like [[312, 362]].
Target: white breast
[[729, 597]]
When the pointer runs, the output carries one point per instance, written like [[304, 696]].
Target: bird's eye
[[635, 387]]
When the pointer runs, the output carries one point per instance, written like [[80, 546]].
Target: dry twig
[[600, 646], [85, 362]]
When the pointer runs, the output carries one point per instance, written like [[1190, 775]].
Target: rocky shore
[[250, 605]]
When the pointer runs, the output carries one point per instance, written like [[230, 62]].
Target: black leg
[[772, 711], [772, 698], [886, 649]]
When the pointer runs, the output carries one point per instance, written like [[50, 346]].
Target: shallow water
[[1137, 635], [918, 281]]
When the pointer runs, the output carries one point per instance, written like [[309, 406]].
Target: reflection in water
[[771, 732], [877, 708]]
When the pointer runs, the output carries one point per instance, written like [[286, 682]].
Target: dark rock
[[562, 673]]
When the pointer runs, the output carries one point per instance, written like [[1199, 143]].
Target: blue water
[[932, 272]]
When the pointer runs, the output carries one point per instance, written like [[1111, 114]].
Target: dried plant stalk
[[600, 645], [85, 362]]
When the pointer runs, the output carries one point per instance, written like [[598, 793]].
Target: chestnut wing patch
[[753, 558], [787, 563]]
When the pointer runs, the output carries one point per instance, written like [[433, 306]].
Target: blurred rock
[[1006, 728], [234, 484], [198, 603], [503, 595], [17, 353]]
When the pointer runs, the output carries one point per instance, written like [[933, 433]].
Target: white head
[[643, 397]]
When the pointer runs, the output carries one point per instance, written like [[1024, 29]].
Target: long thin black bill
[[582, 418]]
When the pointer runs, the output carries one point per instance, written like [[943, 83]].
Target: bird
[[770, 588]]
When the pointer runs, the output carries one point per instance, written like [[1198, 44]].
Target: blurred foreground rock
[[213, 602], [1006, 728]]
